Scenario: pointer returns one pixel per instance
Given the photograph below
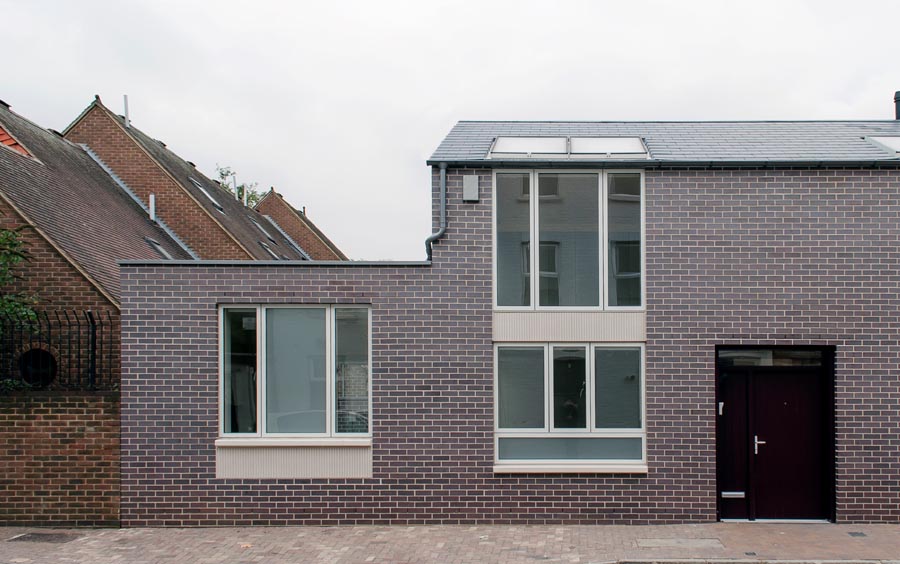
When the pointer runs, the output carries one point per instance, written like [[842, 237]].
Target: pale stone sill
[[597, 468], [245, 442]]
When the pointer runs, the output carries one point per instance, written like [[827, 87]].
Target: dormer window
[[551, 148]]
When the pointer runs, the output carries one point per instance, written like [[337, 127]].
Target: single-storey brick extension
[[712, 334]]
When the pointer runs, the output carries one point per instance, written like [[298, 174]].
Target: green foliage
[[7, 386], [225, 179], [12, 254]]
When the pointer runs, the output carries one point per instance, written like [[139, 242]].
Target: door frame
[[828, 372]]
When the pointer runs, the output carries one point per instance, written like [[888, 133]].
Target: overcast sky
[[339, 104]]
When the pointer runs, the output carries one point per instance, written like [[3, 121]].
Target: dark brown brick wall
[[173, 205], [787, 257], [274, 206], [776, 257], [60, 458]]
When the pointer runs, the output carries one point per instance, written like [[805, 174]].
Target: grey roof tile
[[674, 142]]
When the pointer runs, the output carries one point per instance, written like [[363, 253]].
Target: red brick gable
[[299, 227], [9, 141]]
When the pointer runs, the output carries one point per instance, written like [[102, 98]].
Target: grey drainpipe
[[443, 227]]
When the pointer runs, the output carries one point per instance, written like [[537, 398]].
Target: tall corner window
[[569, 404], [296, 371], [587, 227]]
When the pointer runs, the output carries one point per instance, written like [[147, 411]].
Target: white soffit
[[892, 143]]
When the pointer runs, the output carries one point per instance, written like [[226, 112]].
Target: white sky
[[339, 104]]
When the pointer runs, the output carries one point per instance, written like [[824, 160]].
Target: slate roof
[[236, 219], [80, 208], [718, 143]]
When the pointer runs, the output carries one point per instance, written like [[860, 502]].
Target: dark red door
[[775, 441]]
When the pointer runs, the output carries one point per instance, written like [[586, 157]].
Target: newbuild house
[[646, 322]]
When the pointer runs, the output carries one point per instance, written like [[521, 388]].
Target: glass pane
[[617, 388], [295, 370], [558, 448], [530, 145], [351, 354], [520, 394], [513, 238], [770, 357], [569, 217], [240, 371], [624, 239], [605, 145], [569, 401]]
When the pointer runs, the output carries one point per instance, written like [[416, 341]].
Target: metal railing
[[59, 350]]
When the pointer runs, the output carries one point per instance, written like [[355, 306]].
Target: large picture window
[[570, 404], [587, 228], [298, 371]]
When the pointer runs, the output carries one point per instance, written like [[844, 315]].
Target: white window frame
[[261, 436], [549, 431], [603, 224]]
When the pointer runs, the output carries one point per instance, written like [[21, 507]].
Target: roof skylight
[[264, 232], [892, 143], [207, 194], [568, 148], [157, 246], [269, 250]]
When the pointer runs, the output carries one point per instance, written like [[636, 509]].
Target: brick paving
[[461, 544]]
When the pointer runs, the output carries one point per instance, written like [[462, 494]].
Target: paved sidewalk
[[457, 544]]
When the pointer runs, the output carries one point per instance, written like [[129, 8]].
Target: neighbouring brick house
[[712, 333], [299, 227], [208, 217], [104, 192], [59, 447]]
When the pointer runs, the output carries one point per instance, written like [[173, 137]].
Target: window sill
[[557, 468], [250, 442]]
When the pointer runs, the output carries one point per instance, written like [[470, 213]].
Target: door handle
[[756, 443]]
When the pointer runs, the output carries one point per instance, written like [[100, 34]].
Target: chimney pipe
[[153, 208], [127, 118], [897, 105]]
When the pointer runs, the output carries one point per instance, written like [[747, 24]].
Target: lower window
[[570, 404], [295, 371]]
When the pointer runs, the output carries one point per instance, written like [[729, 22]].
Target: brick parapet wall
[[732, 257], [144, 177], [59, 452]]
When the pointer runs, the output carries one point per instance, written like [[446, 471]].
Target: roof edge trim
[[94, 282], [121, 184]]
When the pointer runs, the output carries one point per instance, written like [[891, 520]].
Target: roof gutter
[[443, 225], [656, 163]]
